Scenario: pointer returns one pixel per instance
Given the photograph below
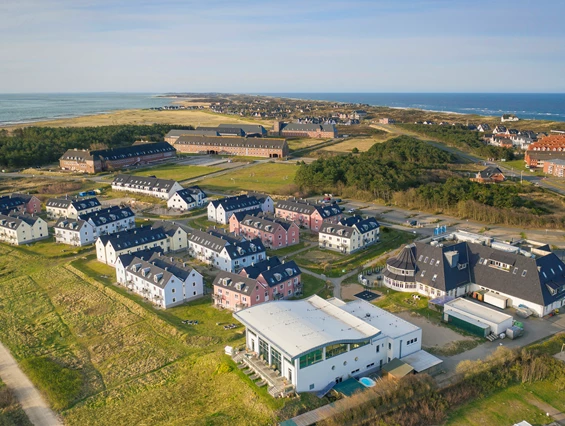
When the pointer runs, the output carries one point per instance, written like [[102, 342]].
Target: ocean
[[535, 106], [28, 108]]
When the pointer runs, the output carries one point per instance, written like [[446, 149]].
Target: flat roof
[[474, 309], [299, 326], [388, 323], [467, 318], [422, 360]]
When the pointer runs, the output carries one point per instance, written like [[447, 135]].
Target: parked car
[[351, 211]]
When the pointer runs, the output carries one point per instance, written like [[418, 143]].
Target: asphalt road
[[32, 402]]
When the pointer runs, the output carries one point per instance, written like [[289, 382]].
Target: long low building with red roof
[[549, 148]]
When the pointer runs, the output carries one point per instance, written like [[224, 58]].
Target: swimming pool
[[367, 382]]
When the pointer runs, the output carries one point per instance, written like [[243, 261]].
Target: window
[[310, 358], [334, 350], [333, 367], [434, 277], [378, 348], [174, 300], [524, 272], [359, 344], [312, 386], [173, 290], [370, 365], [515, 271]]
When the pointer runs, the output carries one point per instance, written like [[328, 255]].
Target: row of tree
[[36, 146], [462, 138]]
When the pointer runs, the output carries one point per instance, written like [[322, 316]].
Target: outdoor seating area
[[263, 374], [229, 326], [190, 322]]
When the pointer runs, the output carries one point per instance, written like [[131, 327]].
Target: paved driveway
[[28, 396]]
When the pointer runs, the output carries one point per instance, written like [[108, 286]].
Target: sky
[[264, 46]]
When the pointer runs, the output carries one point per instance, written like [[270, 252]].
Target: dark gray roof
[[70, 224], [307, 127], [337, 230], [304, 207], [150, 182], [207, 240], [133, 237], [248, 129], [135, 150], [108, 215], [225, 130], [175, 133], [146, 254], [170, 227], [190, 194], [158, 270], [14, 220], [527, 278], [236, 203], [281, 273], [245, 248], [226, 141], [79, 204], [489, 172], [265, 222], [9, 202], [236, 283], [362, 225], [255, 269], [252, 212]]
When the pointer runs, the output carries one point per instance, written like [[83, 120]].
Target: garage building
[[476, 318]]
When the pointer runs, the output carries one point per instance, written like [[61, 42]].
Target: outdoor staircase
[[492, 337]]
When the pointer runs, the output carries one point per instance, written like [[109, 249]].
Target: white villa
[[187, 199], [22, 228], [109, 247], [220, 211], [71, 207], [161, 280], [75, 232], [349, 235], [315, 343], [146, 185]]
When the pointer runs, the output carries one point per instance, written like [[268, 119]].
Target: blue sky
[[290, 46]]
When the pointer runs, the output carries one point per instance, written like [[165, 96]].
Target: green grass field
[[110, 351], [272, 178], [507, 407], [177, 172]]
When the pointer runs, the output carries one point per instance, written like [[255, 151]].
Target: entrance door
[[289, 375], [253, 345]]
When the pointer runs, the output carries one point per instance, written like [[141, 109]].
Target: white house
[[265, 202], [187, 199], [524, 273], [349, 235], [109, 247], [316, 342], [146, 185], [224, 252], [220, 211], [71, 207], [110, 220], [177, 234], [22, 228], [75, 232], [161, 280]]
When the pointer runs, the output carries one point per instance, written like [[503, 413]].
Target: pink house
[[274, 232], [308, 215], [236, 292], [261, 282]]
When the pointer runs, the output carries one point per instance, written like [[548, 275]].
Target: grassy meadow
[[141, 117], [95, 351], [272, 178], [177, 172], [362, 143]]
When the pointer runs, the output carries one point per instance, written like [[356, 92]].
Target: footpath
[[28, 396]]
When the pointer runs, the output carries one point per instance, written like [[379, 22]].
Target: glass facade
[[311, 358], [335, 350], [359, 344], [264, 349], [276, 359]]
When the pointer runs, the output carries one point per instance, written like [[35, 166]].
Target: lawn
[[312, 285], [362, 143], [286, 250], [272, 178], [334, 264], [96, 350], [520, 165], [49, 248], [177, 172], [503, 408], [301, 143]]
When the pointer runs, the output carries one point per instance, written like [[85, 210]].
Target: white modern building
[[71, 207], [315, 342], [187, 199], [22, 228], [146, 185], [161, 280], [74, 232], [523, 273], [220, 211], [349, 235], [223, 251]]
